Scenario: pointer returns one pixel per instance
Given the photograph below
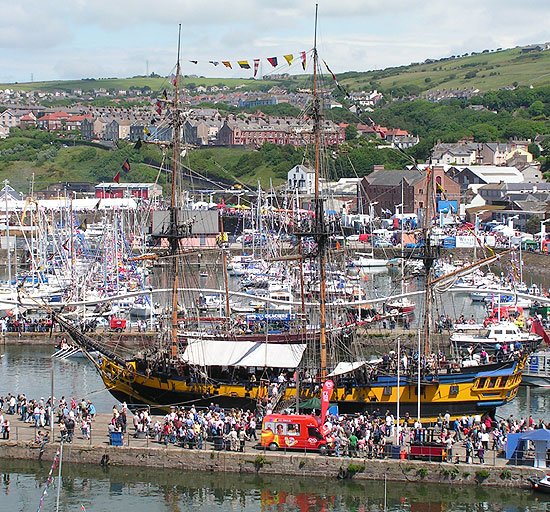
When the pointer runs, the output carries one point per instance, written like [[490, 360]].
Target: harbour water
[[100, 490]]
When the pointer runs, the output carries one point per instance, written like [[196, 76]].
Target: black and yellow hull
[[470, 391]]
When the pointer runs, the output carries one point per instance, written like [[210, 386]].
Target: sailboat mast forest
[[234, 363]]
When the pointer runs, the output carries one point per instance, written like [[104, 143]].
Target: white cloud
[[75, 38]]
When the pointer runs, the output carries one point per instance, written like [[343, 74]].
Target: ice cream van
[[293, 431]]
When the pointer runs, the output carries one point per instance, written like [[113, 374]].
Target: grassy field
[[492, 71], [156, 84], [483, 71]]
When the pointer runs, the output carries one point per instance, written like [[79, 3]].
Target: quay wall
[[295, 464]]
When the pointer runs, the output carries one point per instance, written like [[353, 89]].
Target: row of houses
[[468, 152]]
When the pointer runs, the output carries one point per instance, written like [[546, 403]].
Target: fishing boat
[[232, 361]]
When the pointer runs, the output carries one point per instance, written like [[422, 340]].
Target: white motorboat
[[497, 334]]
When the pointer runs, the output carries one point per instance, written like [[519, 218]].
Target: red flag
[[256, 64], [538, 329], [272, 61], [328, 386], [126, 166], [117, 177], [303, 60]]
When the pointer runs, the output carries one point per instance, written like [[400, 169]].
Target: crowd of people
[[362, 435], [192, 427], [38, 413]]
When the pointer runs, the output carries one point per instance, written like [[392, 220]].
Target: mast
[[319, 231], [174, 239], [225, 278], [428, 259]]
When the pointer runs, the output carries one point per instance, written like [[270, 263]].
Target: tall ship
[[280, 352]]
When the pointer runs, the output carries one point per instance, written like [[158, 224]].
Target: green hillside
[[483, 71], [155, 84]]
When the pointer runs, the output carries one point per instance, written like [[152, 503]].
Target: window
[[314, 432], [293, 429]]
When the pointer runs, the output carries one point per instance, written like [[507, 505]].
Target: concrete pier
[[152, 454]]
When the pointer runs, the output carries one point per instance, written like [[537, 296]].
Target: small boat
[[497, 334], [402, 305], [541, 484]]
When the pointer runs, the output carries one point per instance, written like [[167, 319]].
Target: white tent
[[243, 353]]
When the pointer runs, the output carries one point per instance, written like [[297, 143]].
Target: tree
[[532, 225], [536, 108], [484, 132], [351, 132], [534, 149]]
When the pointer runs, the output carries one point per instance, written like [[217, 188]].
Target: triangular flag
[[146, 130], [303, 60], [256, 64], [215, 62], [227, 64], [138, 144], [83, 225], [244, 64], [164, 95], [126, 166], [272, 61], [117, 177], [289, 58], [194, 61]]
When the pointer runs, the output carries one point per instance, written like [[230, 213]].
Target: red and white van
[[293, 431]]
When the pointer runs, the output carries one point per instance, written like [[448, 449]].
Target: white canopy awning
[[243, 353], [346, 367]]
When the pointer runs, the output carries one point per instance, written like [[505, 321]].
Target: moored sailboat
[[234, 363]]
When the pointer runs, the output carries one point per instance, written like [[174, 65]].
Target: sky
[[73, 39]]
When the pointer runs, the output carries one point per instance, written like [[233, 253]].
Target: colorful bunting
[[48, 482], [138, 144], [117, 177], [289, 58], [303, 54], [215, 62], [256, 64], [273, 61], [227, 64], [341, 88], [146, 131], [194, 61], [126, 166], [244, 64], [164, 95]]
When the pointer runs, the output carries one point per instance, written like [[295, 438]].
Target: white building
[[301, 179]]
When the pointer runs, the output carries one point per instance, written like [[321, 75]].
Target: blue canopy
[[539, 434]]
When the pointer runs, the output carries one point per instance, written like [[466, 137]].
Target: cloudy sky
[[71, 39]]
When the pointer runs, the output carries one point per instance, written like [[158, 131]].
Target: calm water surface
[[100, 490]]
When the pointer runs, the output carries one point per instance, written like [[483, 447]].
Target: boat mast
[[320, 235], [174, 238], [428, 259]]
